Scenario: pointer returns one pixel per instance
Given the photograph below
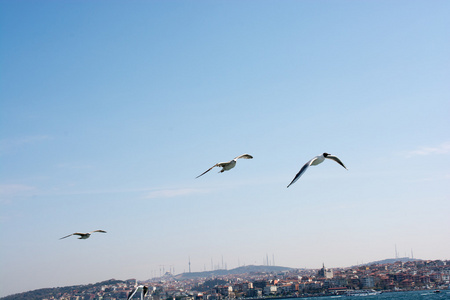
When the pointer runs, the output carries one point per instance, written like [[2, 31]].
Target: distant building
[[367, 282], [259, 284], [325, 273], [270, 290]]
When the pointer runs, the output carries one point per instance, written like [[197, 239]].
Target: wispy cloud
[[170, 193], [9, 191], [74, 166], [441, 149], [12, 143], [14, 189]]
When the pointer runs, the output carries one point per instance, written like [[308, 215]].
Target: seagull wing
[[302, 170], [336, 160], [216, 165], [99, 230], [131, 294], [246, 156], [67, 236]]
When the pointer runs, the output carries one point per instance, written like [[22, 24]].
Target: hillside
[[212, 276], [57, 291], [391, 261], [239, 270]]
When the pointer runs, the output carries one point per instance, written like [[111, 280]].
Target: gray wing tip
[[206, 171], [245, 156]]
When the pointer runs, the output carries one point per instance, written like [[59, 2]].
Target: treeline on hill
[[209, 284], [58, 291]]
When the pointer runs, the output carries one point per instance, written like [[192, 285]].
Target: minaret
[[189, 264]]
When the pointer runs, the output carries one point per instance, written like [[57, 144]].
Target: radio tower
[[189, 264]]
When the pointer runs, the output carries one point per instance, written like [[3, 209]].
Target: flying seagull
[[83, 236], [141, 288], [227, 165], [315, 161]]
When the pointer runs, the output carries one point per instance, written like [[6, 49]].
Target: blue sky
[[110, 109]]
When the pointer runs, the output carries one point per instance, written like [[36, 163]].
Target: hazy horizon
[[111, 109], [219, 269]]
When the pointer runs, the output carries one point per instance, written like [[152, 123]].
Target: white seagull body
[[142, 288], [227, 165], [83, 236], [315, 161]]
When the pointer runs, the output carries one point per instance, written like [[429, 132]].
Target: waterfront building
[[367, 282], [270, 290]]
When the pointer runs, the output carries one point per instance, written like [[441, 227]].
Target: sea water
[[415, 295]]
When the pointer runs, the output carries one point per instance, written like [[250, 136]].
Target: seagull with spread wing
[[227, 165], [315, 161], [142, 288], [83, 236]]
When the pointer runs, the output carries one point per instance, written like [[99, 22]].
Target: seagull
[[141, 288], [227, 165], [315, 161], [83, 236]]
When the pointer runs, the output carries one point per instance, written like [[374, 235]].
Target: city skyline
[[111, 109], [265, 261], [264, 281]]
